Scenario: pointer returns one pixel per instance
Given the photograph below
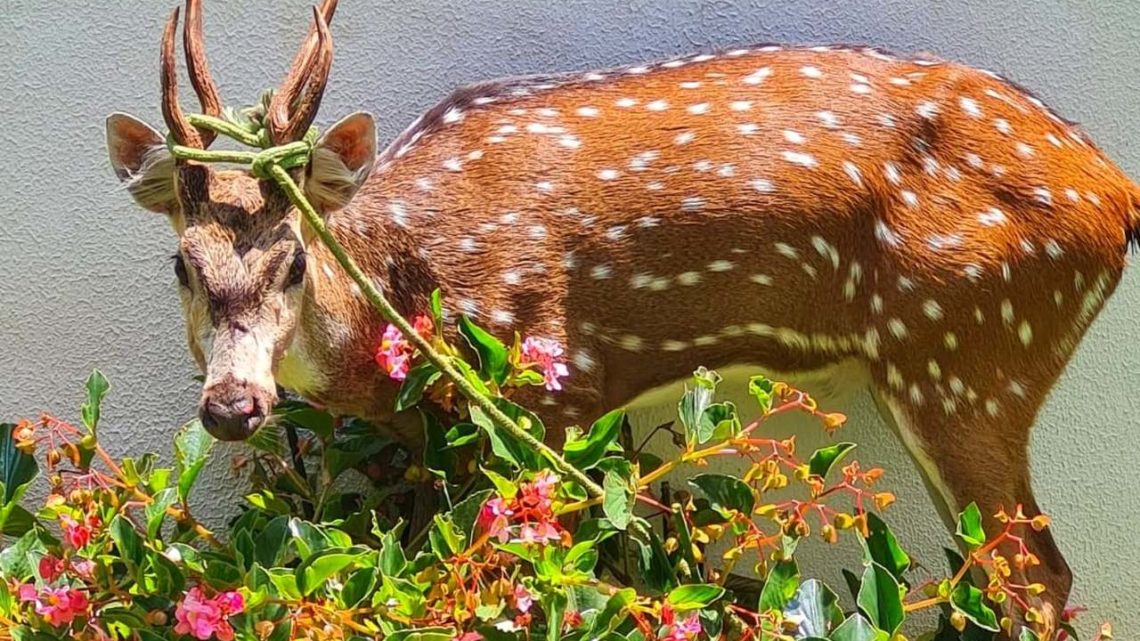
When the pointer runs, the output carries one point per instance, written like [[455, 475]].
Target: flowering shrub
[[520, 550]]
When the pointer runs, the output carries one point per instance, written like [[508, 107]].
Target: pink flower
[[85, 568], [541, 532], [59, 606], [683, 630], [394, 355], [496, 518], [544, 353], [202, 617], [523, 599]]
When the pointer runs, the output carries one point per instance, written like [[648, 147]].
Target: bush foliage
[[518, 549]]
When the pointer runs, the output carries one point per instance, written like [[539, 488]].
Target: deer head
[[241, 252]]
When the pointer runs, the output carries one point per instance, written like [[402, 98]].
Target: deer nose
[[230, 414]]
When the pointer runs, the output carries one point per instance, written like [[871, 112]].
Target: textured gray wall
[[85, 280]]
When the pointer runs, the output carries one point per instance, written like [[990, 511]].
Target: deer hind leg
[[979, 453]]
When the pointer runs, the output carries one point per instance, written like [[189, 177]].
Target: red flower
[[51, 568], [531, 511], [76, 534], [59, 606], [572, 619]]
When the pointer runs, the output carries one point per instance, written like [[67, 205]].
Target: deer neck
[[331, 357]]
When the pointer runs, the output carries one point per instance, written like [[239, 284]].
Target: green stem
[[377, 300], [202, 155], [225, 128]]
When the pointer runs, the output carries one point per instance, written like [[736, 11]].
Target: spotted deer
[[929, 229]]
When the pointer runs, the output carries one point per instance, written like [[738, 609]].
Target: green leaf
[[358, 587], [155, 511], [97, 387], [269, 548], [696, 596], [780, 586], [316, 570], [392, 560], [492, 353], [763, 391], [816, 607], [880, 599], [270, 437], [970, 527], [412, 390], [968, 600], [466, 512], [437, 308], [883, 548], [855, 628], [307, 417], [608, 619], [696, 400], [128, 541], [17, 469], [825, 458], [191, 447], [584, 453], [653, 560], [726, 492], [504, 444], [1028, 635], [446, 540], [15, 521], [718, 421], [618, 500], [461, 434], [18, 560]]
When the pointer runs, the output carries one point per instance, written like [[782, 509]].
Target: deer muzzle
[[239, 392]]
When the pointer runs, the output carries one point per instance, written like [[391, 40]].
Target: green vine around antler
[[273, 163]]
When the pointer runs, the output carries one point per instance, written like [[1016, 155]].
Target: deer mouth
[[232, 410]]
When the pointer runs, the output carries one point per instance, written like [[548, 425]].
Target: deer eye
[[296, 270], [180, 271]]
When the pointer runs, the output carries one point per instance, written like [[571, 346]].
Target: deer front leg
[[970, 452]]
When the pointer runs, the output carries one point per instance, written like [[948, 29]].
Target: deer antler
[[290, 113], [198, 69], [200, 78], [180, 128]]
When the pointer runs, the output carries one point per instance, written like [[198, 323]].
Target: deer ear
[[341, 162], [141, 161]]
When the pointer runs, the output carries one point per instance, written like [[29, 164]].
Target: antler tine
[[281, 109], [184, 133], [197, 67], [310, 103]]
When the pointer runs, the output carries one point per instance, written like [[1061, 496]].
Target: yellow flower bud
[[958, 620], [263, 629], [1007, 624], [829, 533], [156, 617], [671, 544], [1035, 589], [833, 421], [1040, 522], [884, 499], [844, 521]]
